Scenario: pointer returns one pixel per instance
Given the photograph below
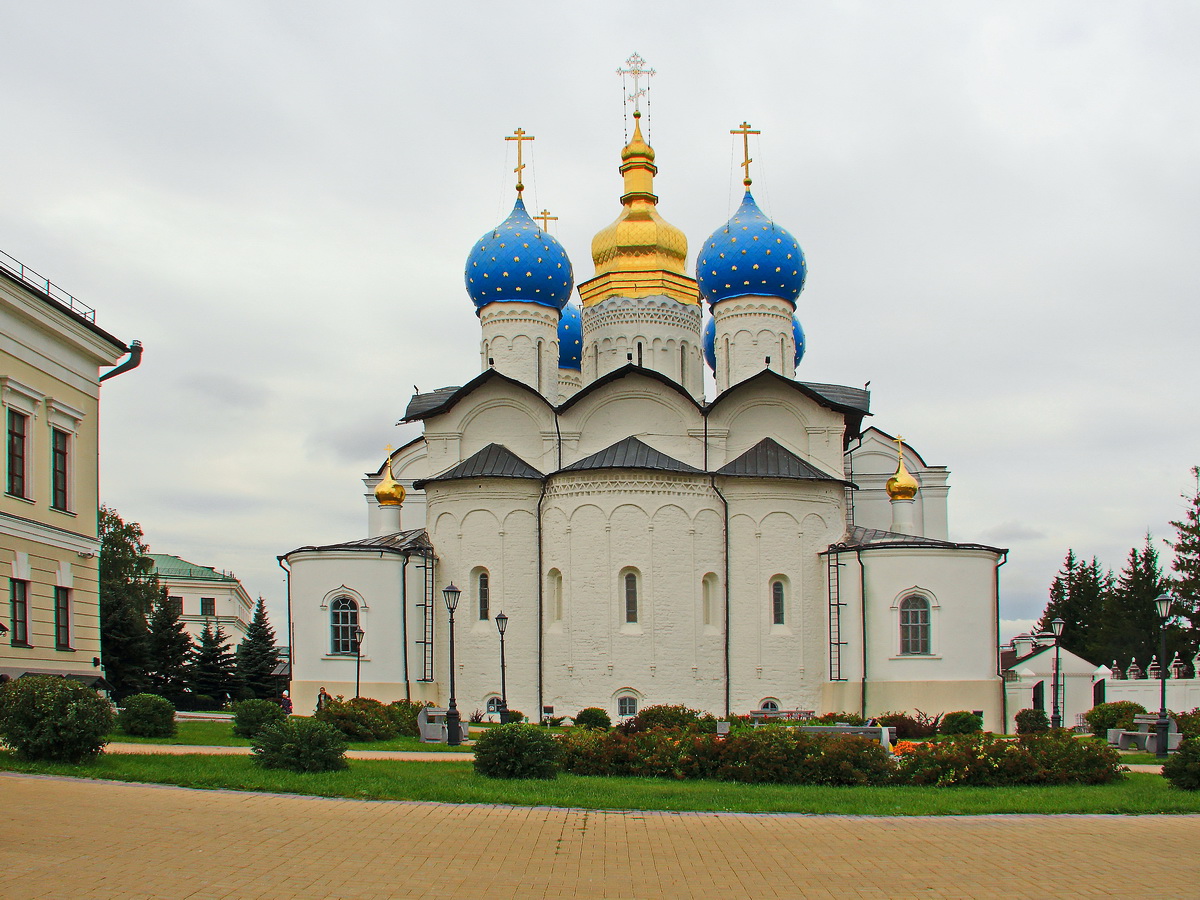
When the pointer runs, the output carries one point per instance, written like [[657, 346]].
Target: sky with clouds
[[1000, 206]]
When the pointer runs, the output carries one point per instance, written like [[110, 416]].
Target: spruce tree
[[127, 591], [214, 669], [1131, 627], [257, 655], [1185, 580], [1077, 596], [170, 650]]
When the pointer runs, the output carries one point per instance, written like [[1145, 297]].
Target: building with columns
[[649, 544]]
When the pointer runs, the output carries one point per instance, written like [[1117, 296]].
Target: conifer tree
[[1078, 595], [170, 650], [214, 669], [1185, 580], [1131, 627], [257, 655], [127, 591]]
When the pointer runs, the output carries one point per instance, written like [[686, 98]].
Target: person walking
[[323, 699]]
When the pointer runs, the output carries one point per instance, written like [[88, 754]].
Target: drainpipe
[[999, 672], [725, 541], [541, 639], [404, 623], [135, 360], [291, 629], [862, 612]]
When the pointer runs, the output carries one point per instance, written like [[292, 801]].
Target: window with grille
[[176, 604], [343, 620], [627, 706], [914, 625], [208, 606]]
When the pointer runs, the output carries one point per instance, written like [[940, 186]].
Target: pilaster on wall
[[752, 334], [655, 332], [520, 340]]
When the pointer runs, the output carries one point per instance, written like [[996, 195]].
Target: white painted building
[[648, 544], [1030, 681], [205, 596]]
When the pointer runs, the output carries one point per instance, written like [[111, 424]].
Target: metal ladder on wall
[[835, 618], [426, 607]]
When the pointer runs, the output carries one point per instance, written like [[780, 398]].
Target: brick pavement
[[78, 839]]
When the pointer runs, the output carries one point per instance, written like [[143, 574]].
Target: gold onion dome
[[640, 240], [902, 486], [389, 492]]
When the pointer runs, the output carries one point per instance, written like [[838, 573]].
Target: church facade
[[649, 545]]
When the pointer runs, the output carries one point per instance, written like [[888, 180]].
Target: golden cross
[[545, 218], [637, 69], [388, 451], [519, 135], [745, 132], [899, 439]]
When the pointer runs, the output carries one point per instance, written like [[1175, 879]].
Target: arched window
[[343, 620], [554, 581], [777, 602], [683, 362], [626, 705], [770, 704], [493, 704], [631, 597], [914, 625], [483, 593], [639, 352]]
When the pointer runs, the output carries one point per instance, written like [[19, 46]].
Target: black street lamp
[[1055, 712], [358, 635], [453, 728], [1163, 602], [501, 624]]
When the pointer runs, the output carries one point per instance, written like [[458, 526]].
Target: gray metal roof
[[862, 538], [413, 541], [493, 461], [768, 459], [423, 403], [631, 454], [841, 395]]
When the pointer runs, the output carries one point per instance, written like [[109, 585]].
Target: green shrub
[[300, 744], [251, 716], [987, 761], [663, 716], [516, 751], [45, 717], [1032, 721], [515, 716], [593, 717], [359, 719], [1061, 758], [847, 759], [1182, 767], [909, 727], [147, 715], [1104, 716], [1188, 722], [961, 722], [837, 718], [195, 702], [404, 716]]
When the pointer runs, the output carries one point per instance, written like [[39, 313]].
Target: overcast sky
[[1000, 206]]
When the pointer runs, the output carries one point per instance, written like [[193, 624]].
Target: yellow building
[[51, 352]]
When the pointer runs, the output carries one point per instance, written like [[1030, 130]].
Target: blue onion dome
[[798, 335], [750, 254], [519, 262], [708, 340], [570, 338]]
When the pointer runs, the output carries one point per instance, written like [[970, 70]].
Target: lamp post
[[501, 624], [359, 634], [1163, 602], [1055, 712], [453, 729]]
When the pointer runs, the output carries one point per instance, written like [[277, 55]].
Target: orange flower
[[902, 747]]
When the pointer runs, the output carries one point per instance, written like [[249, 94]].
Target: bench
[[431, 723], [1146, 736], [763, 716], [884, 734]]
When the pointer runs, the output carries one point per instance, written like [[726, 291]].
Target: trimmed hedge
[[517, 751], [252, 716], [961, 722], [300, 744], [46, 717], [1104, 716], [593, 717], [1032, 721], [359, 719], [147, 715], [985, 760]]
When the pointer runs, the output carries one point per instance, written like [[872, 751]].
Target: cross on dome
[[519, 136], [745, 131], [637, 70], [545, 218]]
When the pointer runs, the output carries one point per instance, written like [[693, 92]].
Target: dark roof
[[853, 403], [842, 396], [768, 459], [859, 538], [168, 566], [493, 461], [422, 406], [403, 542], [631, 454], [624, 372]]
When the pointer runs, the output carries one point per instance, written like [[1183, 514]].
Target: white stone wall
[[753, 334], [1183, 694], [654, 332], [873, 462], [520, 340]]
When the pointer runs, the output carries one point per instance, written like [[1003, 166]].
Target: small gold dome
[[640, 240], [902, 486], [389, 492]]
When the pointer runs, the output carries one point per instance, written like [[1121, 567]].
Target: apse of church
[[649, 545]]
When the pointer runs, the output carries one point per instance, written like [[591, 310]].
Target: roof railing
[[46, 286]]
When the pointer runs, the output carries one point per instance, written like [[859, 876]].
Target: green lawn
[[204, 733], [456, 782]]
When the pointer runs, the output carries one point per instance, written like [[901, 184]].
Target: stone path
[[87, 840]]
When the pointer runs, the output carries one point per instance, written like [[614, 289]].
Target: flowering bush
[[984, 760], [919, 725], [1188, 722], [360, 719]]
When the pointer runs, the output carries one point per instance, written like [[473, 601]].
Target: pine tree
[[1131, 627], [170, 650], [214, 669], [1185, 582], [257, 655], [127, 591], [1077, 596]]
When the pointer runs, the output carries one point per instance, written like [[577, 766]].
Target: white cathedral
[[649, 545]]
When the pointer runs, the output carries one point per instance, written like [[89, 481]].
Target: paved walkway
[[87, 840]]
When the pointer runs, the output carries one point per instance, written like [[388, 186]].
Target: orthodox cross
[[745, 132], [545, 218], [519, 135], [637, 69], [899, 439]]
